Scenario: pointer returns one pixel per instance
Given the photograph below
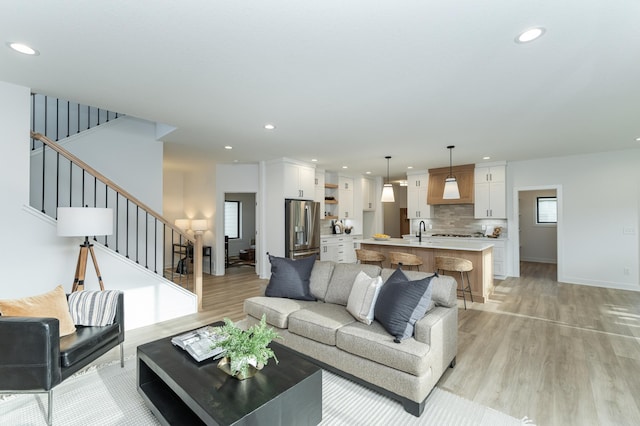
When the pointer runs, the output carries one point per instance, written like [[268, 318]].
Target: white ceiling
[[345, 82]]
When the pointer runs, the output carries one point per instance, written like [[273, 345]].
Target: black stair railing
[[58, 118], [60, 179]]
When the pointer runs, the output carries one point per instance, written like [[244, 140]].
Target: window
[[546, 210], [232, 219]]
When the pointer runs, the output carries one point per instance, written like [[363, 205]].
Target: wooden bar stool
[[456, 264], [370, 256], [404, 259]]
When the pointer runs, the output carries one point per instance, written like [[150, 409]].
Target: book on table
[[201, 343]]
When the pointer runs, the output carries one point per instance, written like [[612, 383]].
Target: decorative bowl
[[381, 238]]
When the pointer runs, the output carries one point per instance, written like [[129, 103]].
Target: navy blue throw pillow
[[401, 303], [290, 278]]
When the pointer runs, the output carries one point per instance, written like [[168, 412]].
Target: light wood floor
[[560, 354]]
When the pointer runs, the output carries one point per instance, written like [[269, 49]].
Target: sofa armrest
[[30, 355], [120, 316], [439, 329]]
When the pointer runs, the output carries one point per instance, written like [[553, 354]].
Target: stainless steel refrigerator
[[302, 228]]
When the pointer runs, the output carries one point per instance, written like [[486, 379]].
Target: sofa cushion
[[319, 322], [290, 278], [85, 342], [442, 294], [401, 303], [362, 299], [275, 309], [374, 343], [319, 280], [47, 305], [344, 274]]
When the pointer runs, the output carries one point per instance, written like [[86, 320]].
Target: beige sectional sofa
[[326, 332]]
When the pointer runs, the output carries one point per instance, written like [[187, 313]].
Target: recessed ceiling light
[[486, 158], [228, 147], [345, 167], [368, 173], [315, 160], [638, 139], [409, 167], [23, 48], [269, 126], [530, 35]]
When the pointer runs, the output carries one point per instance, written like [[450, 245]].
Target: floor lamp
[[84, 222]]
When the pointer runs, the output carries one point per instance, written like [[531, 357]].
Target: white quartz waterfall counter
[[480, 253], [451, 244]]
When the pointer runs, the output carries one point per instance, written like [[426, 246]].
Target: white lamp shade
[[84, 221], [451, 191], [199, 225], [182, 224], [387, 194]]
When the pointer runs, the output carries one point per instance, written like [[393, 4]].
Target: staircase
[[60, 179]]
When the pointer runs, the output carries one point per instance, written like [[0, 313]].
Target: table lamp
[[84, 222]]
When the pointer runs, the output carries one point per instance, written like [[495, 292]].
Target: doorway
[[240, 229], [538, 226]]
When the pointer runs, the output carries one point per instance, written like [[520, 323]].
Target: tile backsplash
[[456, 219]]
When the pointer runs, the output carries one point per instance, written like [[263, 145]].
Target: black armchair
[[34, 359]]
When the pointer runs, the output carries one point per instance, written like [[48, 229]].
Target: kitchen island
[[480, 253]]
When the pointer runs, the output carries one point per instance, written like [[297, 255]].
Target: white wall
[[538, 242], [599, 214], [125, 151], [37, 259]]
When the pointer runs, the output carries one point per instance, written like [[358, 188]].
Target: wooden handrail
[[69, 156], [195, 241]]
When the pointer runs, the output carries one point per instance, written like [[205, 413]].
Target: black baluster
[[117, 219], [43, 176], [137, 234], [106, 204], [57, 183], [68, 118], [33, 119], [146, 240], [127, 230], [155, 245], [57, 118]]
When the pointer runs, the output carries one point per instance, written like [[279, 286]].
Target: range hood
[[464, 176]]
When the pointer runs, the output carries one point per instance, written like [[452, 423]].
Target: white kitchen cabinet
[[368, 194], [329, 249], [490, 198], [345, 197], [338, 248], [499, 259], [417, 186], [299, 181]]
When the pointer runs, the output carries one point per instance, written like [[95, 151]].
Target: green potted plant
[[246, 351]]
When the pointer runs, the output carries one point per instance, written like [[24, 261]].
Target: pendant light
[[387, 189], [451, 191]]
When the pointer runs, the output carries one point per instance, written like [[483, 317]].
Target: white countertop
[[479, 244]]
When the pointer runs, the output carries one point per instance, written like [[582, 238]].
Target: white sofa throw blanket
[[93, 308]]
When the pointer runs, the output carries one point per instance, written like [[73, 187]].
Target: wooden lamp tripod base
[[81, 266]]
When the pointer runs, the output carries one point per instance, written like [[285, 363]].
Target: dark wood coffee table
[[181, 391]]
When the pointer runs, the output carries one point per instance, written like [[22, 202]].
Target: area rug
[[107, 395]]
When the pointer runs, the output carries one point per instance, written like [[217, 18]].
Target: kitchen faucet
[[421, 226]]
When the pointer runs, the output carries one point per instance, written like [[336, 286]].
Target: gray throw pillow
[[401, 303], [290, 278]]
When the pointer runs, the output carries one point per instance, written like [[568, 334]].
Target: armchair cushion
[[48, 305]]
